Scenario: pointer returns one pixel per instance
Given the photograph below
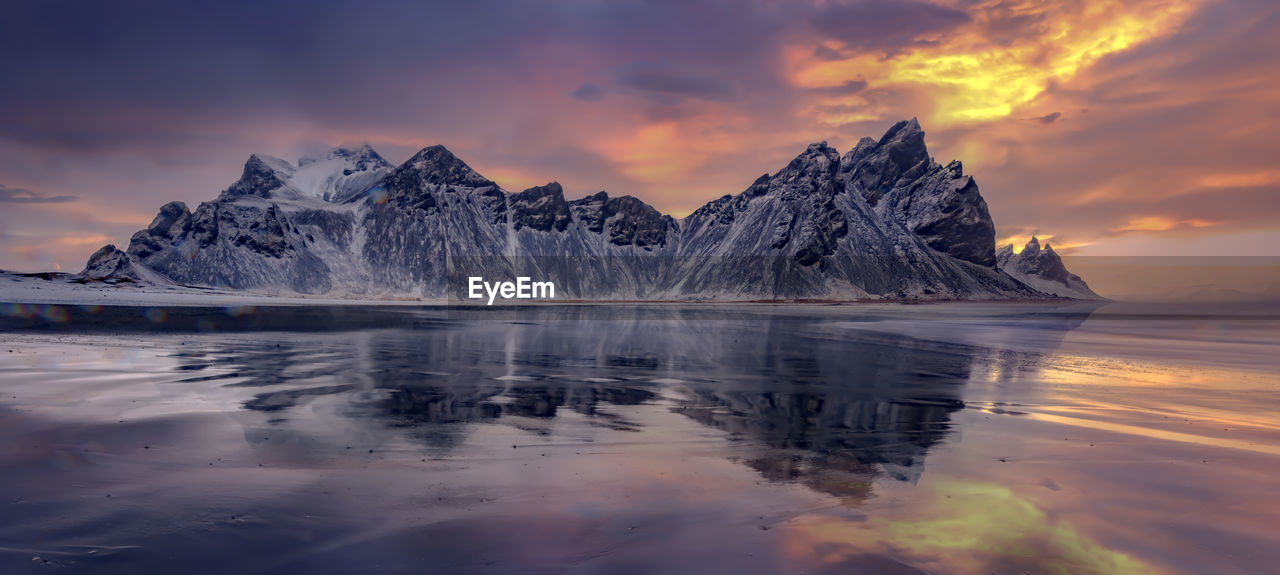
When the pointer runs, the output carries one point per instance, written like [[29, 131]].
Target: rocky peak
[[362, 153], [262, 174], [541, 208], [170, 224], [873, 170], [1042, 269], [109, 263], [626, 220], [817, 163], [1044, 263], [418, 183], [807, 220], [360, 158], [338, 175], [862, 149], [437, 165], [171, 215], [944, 207], [906, 140]]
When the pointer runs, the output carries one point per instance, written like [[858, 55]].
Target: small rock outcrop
[[1043, 270], [541, 208], [110, 264]]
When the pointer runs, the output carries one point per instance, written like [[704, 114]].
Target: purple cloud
[[25, 196]]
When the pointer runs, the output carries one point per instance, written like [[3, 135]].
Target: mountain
[[1043, 270], [883, 221]]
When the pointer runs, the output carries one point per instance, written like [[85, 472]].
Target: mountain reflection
[[831, 409]]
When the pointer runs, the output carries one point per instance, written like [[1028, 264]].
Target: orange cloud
[[1242, 179], [1161, 224], [678, 164], [69, 241], [1158, 183], [49, 249], [515, 179], [974, 75], [665, 151]]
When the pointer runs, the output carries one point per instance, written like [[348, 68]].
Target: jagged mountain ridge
[[883, 221], [1044, 270]]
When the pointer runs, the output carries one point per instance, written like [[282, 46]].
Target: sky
[[1107, 127]]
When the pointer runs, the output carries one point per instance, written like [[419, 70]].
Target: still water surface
[[966, 439]]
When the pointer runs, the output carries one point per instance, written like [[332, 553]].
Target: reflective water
[[744, 439]]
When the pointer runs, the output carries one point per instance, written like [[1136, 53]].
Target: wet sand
[[639, 439]]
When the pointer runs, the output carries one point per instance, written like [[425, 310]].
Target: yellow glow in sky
[[974, 75], [1019, 241], [1161, 224]]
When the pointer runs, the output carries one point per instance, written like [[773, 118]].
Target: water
[[965, 439]]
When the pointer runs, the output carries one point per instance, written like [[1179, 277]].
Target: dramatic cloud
[[885, 25], [981, 77], [849, 87], [668, 83], [589, 93], [1091, 121], [1049, 118], [1161, 224], [24, 196]]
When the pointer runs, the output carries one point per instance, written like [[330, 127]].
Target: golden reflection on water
[[1211, 406], [1205, 440], [976, 519], [963, 527]]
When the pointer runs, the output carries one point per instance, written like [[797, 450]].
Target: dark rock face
[[172, 223], [813, 223], [109, 263], [637, 223], [884, 221], [336, 227], [625, 220], [944, 207], [813, 231], [541, 208], [259, 178], [438, 166], [804, 221], [263, 234], [896, 176], [877, 166], [233, 243]]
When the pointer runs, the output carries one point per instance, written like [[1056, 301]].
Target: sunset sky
[[1109, 127]]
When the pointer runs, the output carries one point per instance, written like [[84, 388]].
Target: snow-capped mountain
[[883, 221], [1043, 270]]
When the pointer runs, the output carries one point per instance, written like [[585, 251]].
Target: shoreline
[[45, 289]]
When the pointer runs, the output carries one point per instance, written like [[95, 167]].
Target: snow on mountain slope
[[340, 175]]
